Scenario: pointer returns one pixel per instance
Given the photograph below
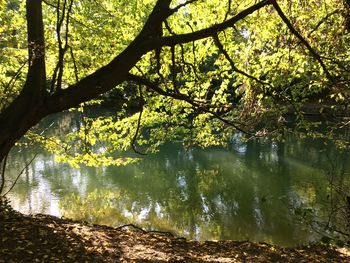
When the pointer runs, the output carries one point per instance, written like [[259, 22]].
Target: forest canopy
[[198, 71]]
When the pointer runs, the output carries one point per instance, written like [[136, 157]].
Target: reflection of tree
[[44, 181], [99, 206], [334, 221], [322, 194], [206, 194], [201, 197]]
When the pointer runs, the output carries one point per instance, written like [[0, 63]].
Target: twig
[[133, 226], [14, 78], [133, 143], [228, 9], [14, 183], [323, 20], [175, 9], [49, 4], [76, 72], [183, 97], [167, 233], [232, 64]]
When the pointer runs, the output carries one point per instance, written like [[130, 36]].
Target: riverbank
[[44, 238]]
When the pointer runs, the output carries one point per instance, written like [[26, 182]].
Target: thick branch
[[115, 72], [204, 33], [36, 79], [25, 111]]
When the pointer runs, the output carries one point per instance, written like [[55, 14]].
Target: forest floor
[[43, 238]]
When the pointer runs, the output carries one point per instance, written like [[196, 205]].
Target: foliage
[[245, 78], [13, 50]]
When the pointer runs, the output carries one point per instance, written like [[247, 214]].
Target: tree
[[175, 53]]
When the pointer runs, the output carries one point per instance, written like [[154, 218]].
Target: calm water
[[251, 191]]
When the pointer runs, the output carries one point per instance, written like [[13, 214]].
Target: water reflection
[[250, 191]]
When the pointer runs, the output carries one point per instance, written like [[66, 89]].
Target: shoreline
[[45, 238]]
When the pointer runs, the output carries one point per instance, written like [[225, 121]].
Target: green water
[[257, 191]]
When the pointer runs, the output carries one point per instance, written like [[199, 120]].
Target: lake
[[259, 190]]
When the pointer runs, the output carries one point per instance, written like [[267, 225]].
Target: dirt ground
[[43, 238]]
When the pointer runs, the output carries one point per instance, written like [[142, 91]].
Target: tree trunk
[[34, 102], [23, 112]]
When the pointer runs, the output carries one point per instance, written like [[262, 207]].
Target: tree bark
[[25, 111]]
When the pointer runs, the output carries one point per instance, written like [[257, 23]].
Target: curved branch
[[312, 51], [204, 33], [182, 97], [175, 9], [232, 64], [49, 4], [323, 20]]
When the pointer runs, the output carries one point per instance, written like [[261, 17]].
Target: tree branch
[[175, 9], [36, 78], [62, 49], [76, 72], [133, 142], [148, 39], [19, 175], [323, 20], [232, 64], [204, 33], [182, 97], [11, 84], [312, 51], [228, 9], [49, 4]]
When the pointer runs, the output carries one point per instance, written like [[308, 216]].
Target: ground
[[44, 238]]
